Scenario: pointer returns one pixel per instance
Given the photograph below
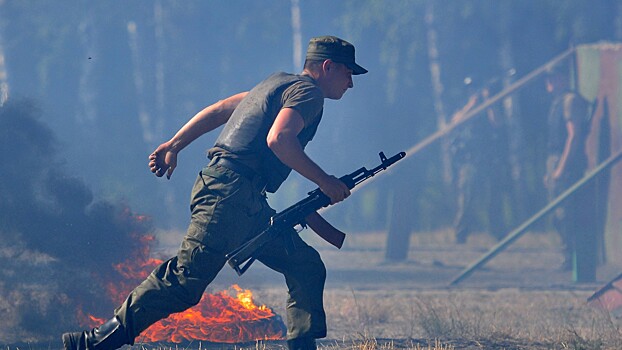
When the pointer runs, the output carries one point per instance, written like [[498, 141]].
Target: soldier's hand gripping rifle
[[283, 222]]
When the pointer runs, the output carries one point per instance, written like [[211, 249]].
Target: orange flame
[[217, 318]]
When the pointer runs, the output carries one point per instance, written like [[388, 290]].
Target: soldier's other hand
[[335, 189], [163, 161]]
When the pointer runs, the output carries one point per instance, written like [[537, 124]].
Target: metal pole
[[520, 230]]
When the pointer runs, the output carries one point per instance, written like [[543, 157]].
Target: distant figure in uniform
[[482, 172], [568, 128]]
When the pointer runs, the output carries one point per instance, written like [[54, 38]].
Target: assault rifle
[[283, 223]]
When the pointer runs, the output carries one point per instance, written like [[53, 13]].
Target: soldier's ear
[[327, 65]]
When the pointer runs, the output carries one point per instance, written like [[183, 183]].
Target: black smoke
[[58, 243]]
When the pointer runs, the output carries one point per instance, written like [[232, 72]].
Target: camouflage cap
[[336, 49]]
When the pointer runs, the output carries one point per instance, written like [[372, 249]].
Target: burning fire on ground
[[220, 317], [41, 278]]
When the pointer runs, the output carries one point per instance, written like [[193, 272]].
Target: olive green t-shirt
[[244, 136]]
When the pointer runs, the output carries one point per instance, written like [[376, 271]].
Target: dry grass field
[[519, 300]]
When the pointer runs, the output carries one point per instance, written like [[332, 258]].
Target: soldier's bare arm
[[164, 159], [282, 140]]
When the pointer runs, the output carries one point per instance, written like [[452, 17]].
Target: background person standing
[[568, 128]]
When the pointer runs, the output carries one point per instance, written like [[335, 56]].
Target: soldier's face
[[338, 80]]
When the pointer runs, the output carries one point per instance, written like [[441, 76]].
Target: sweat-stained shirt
[[243, 138]]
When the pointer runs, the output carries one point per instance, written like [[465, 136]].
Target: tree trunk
[[511, 113], [87, 94], [4, 77], [404, 201], [437, 89], [160, 82], [297, 36], [401, 225]]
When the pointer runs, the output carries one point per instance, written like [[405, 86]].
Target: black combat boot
[[109, 336], [306, 343]]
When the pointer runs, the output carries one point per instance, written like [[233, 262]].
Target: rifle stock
[[241, 258]]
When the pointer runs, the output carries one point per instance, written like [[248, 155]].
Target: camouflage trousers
[[227, 209]]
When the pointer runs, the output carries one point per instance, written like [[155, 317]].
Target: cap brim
[[356, 69]]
